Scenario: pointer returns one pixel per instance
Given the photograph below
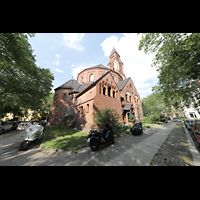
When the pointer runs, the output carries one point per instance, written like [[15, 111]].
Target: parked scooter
[[96, 138], [32, 133], [136, 129]]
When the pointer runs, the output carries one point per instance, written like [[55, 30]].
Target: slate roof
[[96, 66], [71, 84], [127, 106], [80, 88], [113, 51], [121, 84]]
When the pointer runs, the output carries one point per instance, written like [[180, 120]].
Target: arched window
[[87, 108], [104, 91], [91, 77], [130, 99], [109, 89], [126, 97], [100, 88], [81, 79], [64, 96], [114, 94]]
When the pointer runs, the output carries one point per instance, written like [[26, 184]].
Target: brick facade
[[97, 87]]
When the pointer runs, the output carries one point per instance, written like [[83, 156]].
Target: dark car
[[163, 119], [14, 125]]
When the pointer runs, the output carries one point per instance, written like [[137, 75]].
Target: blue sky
[[66, 54]]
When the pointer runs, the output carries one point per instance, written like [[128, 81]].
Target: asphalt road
[[10, 154]]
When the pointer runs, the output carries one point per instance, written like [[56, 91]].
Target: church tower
[[115, 63]]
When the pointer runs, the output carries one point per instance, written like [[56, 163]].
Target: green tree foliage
[[178, 62], [152, 106], [22, 83], [106, 116]]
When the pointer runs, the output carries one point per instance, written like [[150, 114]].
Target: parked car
[[196, 131], [14, 125], [163, 119], [193, 125], [23, 125], [176, 120], [189, 123], [5, 126]]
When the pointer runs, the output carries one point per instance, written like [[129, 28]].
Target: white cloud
[[58, 70], [57, 56], [56, 63], [144, 91], [137, 64], [77, 70], [72, 40]]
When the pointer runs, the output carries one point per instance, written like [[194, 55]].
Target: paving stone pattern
[[175, 150]]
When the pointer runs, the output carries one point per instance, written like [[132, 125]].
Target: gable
[[130, 87], [107, 78], [121, 84]]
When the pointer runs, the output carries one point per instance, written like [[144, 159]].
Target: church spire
[[115, 62], [113, 51]]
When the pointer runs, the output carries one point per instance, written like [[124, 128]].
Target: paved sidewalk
[[142, 153], [175, 151]]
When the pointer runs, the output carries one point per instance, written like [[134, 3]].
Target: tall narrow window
[[130, 99], [109, 88], [56, 97], [81, 79], [114, 94], [64, 96], [81, 109], [100, 88], [91, 77], [87, 108], [104, 91], [126, 97]]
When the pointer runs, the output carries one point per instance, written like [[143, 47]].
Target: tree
[[106, 116], [22, 83], [178, 62], [153, 105], [47, 104]]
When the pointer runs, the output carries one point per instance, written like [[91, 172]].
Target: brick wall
[[61, 106]]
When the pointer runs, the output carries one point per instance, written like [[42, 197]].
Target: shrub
[[106, 116], [66, 121]]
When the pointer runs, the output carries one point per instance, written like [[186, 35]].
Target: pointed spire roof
[[113, 51]]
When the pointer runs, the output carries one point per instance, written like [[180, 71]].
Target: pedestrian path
[[175, 151], [142, 153]]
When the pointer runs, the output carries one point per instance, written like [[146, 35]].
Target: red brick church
[[95, 88]]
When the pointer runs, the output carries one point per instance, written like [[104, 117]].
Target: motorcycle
[[137, 129], [96, 138], [32, 133]]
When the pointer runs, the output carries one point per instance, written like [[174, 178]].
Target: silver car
[[5, 126]]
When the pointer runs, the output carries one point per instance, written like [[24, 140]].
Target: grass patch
[[63, 138]]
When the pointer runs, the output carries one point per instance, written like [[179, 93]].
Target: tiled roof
[[121, 84], [127, 106], [80, 88], [71, 84], [96, 66]]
